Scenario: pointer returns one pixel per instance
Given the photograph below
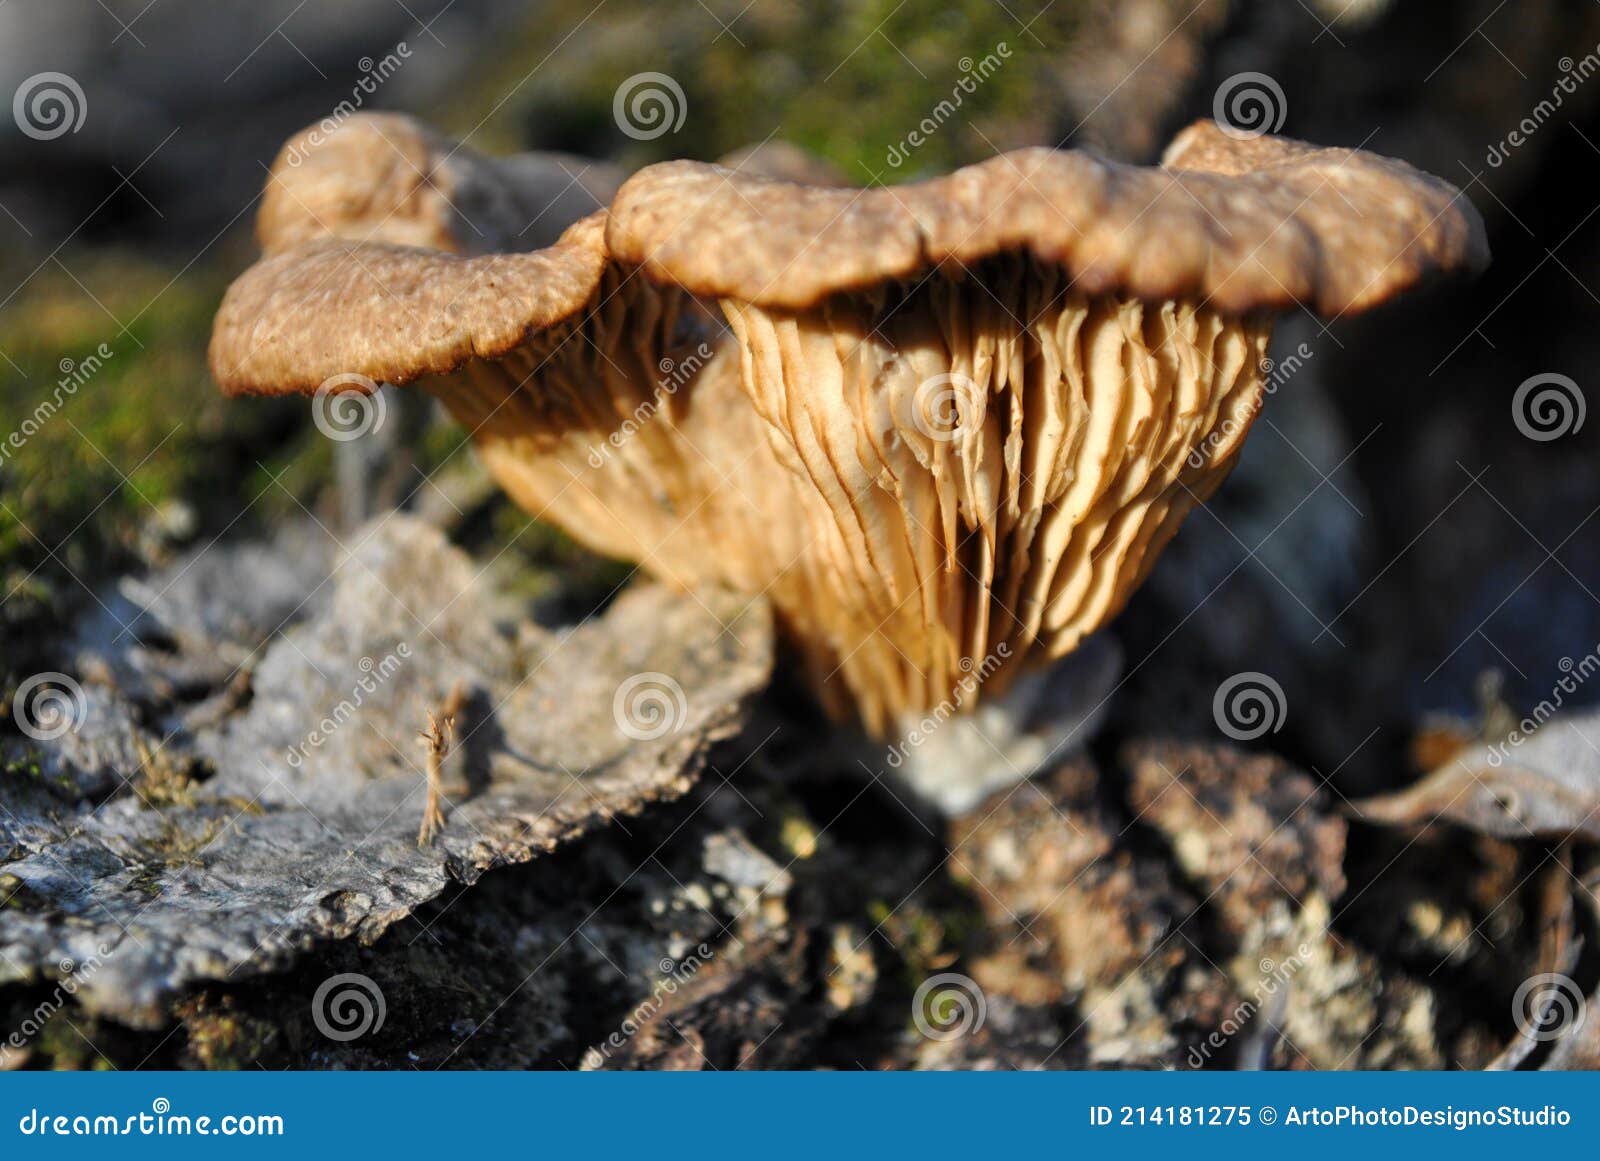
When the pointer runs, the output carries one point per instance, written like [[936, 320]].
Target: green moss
[[847, 79], [223, 1037], [113, 414], [16, 895]]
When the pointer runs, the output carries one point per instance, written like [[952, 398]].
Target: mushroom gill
[[623, 425], [989, 464]]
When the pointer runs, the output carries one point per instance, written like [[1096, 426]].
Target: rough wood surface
[[261, 822]]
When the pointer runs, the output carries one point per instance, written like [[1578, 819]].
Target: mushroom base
[[950, 763]]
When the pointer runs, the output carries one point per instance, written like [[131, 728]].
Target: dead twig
[[437, 740]]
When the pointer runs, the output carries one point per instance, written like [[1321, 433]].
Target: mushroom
[[1000, 392], [954, 423]]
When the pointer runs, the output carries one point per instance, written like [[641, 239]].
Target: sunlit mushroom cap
[[1240, 223], [393, 313]]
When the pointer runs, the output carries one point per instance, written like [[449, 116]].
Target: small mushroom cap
[[1243, 225], [384, 177], [393, 313]]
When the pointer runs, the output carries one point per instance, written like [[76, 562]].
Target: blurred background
[[1407, 530]]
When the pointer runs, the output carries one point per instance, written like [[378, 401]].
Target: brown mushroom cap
[[380, 256], [385, 177], [1240, 224], [363, 224], [392, 313]]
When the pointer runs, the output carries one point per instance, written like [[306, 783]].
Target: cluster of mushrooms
[[945, 427]]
